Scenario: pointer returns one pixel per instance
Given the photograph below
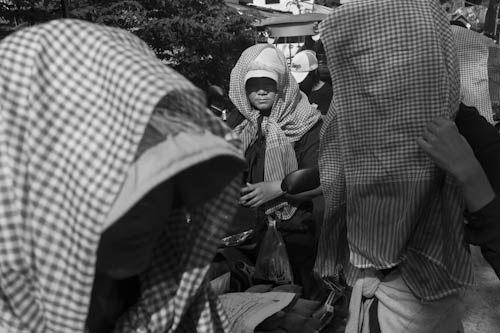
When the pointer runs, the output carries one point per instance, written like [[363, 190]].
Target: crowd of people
[[118, 183]]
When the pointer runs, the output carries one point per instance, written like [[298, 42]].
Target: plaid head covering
[[76, 99], [472, 48], [291, 117], [383, 196]]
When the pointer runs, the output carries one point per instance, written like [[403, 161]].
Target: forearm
[[483, 229], [475, 186], [276, 190]]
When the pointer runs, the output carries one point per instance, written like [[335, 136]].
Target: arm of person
[[451, 152], [484, 139], [483, 230], [255, 195], [449, 149], [472, 179]]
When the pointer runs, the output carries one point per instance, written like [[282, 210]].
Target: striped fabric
[[387, 204], [291, 117], [75, 101], [472, 50]]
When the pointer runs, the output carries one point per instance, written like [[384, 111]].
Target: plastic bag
[[272, 261]]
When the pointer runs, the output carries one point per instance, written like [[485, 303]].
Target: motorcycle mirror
[[301, 180]]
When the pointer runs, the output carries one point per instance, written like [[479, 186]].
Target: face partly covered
[[261, 93], [126, 247]]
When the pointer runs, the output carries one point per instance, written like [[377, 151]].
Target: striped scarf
[[386, 203], [291, 117], [76, 99]]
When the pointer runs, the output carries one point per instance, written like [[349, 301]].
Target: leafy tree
[[202, 39], [19, 12]]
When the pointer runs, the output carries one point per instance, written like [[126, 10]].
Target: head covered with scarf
[[387, 204], [91, 122], [291, 115]]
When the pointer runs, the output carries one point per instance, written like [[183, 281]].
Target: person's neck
[[265, 113]]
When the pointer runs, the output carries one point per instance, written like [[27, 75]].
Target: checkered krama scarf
[[291, 117], [394, 67], [75, 101], [473, 52]]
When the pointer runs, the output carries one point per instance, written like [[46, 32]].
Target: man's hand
[[448, 148], [255, 195], [444, 144]]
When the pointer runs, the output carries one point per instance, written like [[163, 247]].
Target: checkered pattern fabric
[[291, 117], [75, 101], [383, 196], [472, 50]]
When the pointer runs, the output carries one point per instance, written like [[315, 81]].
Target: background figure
[[100, 143], [393, 220], [280, 133], [305, 71]]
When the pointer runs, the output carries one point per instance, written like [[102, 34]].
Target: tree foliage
[[29, 11], [202, 39]]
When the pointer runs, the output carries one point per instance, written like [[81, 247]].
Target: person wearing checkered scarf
[[117, 185], [279, 133], [393, 220]]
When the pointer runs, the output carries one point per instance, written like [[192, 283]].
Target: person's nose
[[262, 91]]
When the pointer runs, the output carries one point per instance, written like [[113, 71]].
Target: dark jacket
[[483, 228]]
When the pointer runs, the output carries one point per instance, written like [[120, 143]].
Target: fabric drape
[[75, 101], [386, 203]]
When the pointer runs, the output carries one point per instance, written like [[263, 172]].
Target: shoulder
[[311, 135]]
